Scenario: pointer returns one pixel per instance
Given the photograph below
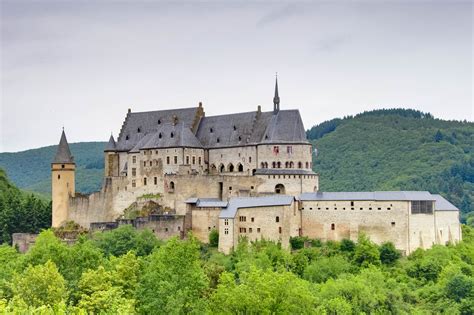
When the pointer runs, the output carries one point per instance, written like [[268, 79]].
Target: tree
[[40, 285], [214, 238], [173, 280], [438, 136], [388, 253], [366, 253], [325, 268]]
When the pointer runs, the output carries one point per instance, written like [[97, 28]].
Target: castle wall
[[227, 237], [245, 155], [422, 231], [285, 153], [203, 221], [163, 226], [293, 184], [448, 227], [337, 220]]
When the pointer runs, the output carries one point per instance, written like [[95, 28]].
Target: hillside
[[30, 170], [397, 150]]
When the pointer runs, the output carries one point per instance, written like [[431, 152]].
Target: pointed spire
[[111, 146], [63, 154], [276, 98]]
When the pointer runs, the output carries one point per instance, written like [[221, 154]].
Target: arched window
[[279, 164], [307, 165], [230, 168], [280, 189], [300, 165], [171, 187], [222, 168], [241, 167], [266, 165], [286, 164], [291, 165], [273, 165], [263, 165]]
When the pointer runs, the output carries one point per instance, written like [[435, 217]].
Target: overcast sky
[[82, 64]]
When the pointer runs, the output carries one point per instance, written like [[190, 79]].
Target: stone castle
[[245, 174]]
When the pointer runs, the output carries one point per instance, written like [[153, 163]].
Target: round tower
[[63, 171]]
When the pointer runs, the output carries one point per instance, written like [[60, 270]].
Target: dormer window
[[172, 135], [211, 130], [159, 135]]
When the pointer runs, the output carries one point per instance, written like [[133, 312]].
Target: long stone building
[[245, 174]]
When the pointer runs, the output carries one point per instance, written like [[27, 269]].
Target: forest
[[125, 271]]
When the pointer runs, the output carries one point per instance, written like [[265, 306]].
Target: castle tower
[[63, 186], [111, 158]]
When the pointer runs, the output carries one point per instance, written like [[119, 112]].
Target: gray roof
[[277, 171], [137, 125], [111, 146], [207, 202], [240, 129], [253, 202], [442, 204], [63, 154], [376, 195]]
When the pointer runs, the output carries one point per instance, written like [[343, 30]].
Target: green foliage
[[173, 280], [388, 253], [125, 238], [184, 276], [214, 238], [40, 285], [297, 242], [20, 212]]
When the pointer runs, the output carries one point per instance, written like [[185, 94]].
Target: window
[[144, 163], [243, 230], [277, 219], [159, 135], [166, 229], [241, 168], [139, 130], [276, 149], [172, 135], [217, 140], [240, 138], [258, 230], [171, 185], [134, 184], [289, 149], [243, 219], [393, 224], [159, 121], [352, 203], [300, 165], [62, 166], [199, 160], [422, 207], [235, 127], [155, 180], [250, 159], [226, 231], [175, 159], [194, 160], [144, 181], [134, 172], [187, 159], [279, 229], [250, 230], [134, 159], [127, 137], [59, 176], [226, 222], [252, 219], [333, 226], [211, 130], [230, 187]]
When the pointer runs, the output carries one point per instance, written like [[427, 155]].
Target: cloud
[[332, 44]]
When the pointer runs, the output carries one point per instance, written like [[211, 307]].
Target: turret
[[111, 158], [63, 171]]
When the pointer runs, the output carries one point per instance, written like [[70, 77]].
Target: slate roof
[[442, 204], [111, 146], [240, 129], [63, 154], [253, 202], [207, 202], [362, 195]]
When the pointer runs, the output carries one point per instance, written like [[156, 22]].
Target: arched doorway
[[280, 189]]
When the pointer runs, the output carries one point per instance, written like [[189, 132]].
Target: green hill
[[30, 170], [396, 150]]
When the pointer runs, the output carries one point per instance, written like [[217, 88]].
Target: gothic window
[[279, 164], [231, 167], [287, 164], [307, 165], [241, 168], [274, 164], [263, 165], [171, 186], [291, 164], [222, 168]]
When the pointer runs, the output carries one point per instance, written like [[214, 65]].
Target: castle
[[245, 174]]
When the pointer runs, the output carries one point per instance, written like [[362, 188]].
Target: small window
[[240, 138], [250, 230], [393, 224], [389, 208], [235, 127], [218, 140], [277, 219], [159, 135], [370, 208], [361, 208], [134, 172], [127, 137], [226, 231], [179, 228], [144, 181], [252, 219], [62, 166], [167, 160], [166, 229], [230, 187], [134, 159], [139, 130], [155, 180], [226, 222], [352, 203], [279, 229], [258, 230], [211, 130], [175, 159], [276, 149], [59, 176], [172, 135], [250, 159], [159, 122], [194, 160], [187, 160], [333, 226], [134, 183], [379, 208], [199, 160]]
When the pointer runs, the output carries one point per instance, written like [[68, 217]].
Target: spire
[[63, 154], [276, 98], [111, 146]]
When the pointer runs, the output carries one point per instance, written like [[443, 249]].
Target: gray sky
[[81, 64]]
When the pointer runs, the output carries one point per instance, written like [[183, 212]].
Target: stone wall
[[23, 241], [203, 221], [283, 153]]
